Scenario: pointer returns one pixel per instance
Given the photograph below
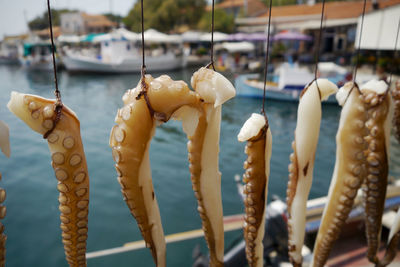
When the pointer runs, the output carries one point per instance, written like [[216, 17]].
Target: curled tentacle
[[379, 108], [130, 141], [69, 163], [393, 241], [349, 171], [302, 162], [396, 117], [258, 149], [203, 147]]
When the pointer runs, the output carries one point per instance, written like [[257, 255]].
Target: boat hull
[[289, 93], [133, 65]]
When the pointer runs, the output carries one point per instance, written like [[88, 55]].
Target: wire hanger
[[59, 105]]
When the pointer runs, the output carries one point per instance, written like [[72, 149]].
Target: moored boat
[[120, 52]]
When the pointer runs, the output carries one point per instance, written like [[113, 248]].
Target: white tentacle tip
[[251, 127], [379, 87], [212, 86], [326, 88]]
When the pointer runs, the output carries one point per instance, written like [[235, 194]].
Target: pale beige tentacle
[[69, 163], [396, 116], [302, 162], [349, 171], [214, 90], [379, 110], [258, 149], [5, 148], [130, 141]]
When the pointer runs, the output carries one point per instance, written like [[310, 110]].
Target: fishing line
[[395, 54], [212, 38], [318, 48], [266, 60], [143, 84], [143, 54], [355, 85], [58, 105], [359, 44]]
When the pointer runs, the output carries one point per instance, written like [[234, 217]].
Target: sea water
[[32, 221]]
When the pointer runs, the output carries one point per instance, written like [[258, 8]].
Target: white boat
[[286, 85], [120, 52], [37, 57], [8, 53]]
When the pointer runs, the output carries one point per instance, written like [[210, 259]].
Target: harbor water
[[32, 221]]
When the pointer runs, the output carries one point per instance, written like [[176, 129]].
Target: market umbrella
[[241, 36], [291, 35]]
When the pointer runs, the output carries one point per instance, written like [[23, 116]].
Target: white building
[[83, 23]]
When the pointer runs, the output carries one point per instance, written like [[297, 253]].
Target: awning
[[90, 37], [218, 37], [68, 39], [242, 36], [118, 34], [379, 30], [191, 36], [154, 36], [236, 47]]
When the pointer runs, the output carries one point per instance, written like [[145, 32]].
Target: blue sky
[[12, 18]]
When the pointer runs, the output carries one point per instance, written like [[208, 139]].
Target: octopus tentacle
[[396, 117], [69, 164], [302, 161], [349, 171], [379, 107], [258, 149], [203, 147], [130, 141], [5, 148], [393, 241]]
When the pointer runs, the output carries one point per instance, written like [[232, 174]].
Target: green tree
[[42, 22], [223, 22], [113, 17], [165, 15]]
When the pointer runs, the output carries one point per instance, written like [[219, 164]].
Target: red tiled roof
[[254, 7], [97, 20], [333, 10]]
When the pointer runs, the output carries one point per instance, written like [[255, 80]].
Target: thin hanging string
[[143, 92], [212, 38], [266, 60], [395, 55], [318, 49], [359, 45], [143, 56], [58, 105]]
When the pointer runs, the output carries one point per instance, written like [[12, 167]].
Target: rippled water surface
[[32, 221]]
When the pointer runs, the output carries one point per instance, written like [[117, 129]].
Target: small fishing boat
[[37, 56], [120, 52], [287, 82], [8, 53]]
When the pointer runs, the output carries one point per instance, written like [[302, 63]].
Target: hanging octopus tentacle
[[379, 106], [130, 141], [396, 117], [69, 164], [302, 161], [393, 242], [349, 171], [5, 148], [258, 149], [203, 146]]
